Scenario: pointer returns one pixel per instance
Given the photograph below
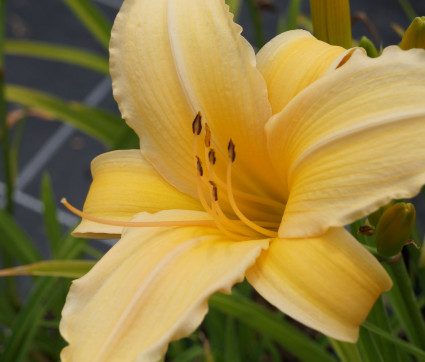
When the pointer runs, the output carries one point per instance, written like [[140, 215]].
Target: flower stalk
[[332, 21], [404, 302]]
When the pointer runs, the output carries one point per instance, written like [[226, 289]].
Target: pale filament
[[197, 128], [232, 201], [83, 215], [236, 225], [244, 195]]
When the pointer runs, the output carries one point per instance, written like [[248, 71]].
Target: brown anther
[[197, 124], [207, 136], [211, 156], [214, 191], [231, 150], [199, 166], [366, 230]]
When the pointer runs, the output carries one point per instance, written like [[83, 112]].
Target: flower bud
[[394, 228], [376, 216], [370, 48], [332, 21], [414, 36]]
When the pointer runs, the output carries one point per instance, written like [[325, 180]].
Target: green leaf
[[290, 22], [347, 352], [234, 7], [231, 351], [367, 347], [406, 346], [105, 126], [92, 18], [29, 319], [7, 312], [191, 354], [61, 53], [408, 9], [15, 242], [272, 326], [54, 268], [24, 329], [52, 225]]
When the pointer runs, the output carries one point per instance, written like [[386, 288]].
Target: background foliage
[[241, 327]]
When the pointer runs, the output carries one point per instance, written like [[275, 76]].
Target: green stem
[[4, 129], [404, 303]]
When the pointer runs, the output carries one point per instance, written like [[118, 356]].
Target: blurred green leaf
[[268, 323], [103, 125], [290, 21], [257, 22], [53, 228], [234, 7], [15, 242], [30, 317], [62, 53], [347, 352], [406, 346], [54, 268], [191, 354], [92, 18], [231, 352], [25, 326], [7, 313], [408, 9]]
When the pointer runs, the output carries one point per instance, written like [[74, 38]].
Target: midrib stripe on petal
[[120, 327]]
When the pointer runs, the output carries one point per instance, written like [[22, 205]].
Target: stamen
[[207, 136], [244, 219], [197, 124], [199, 166], [214, 192], [211, 156], [231, 150], [99, 220]]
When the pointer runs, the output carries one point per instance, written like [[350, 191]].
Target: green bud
[[376, 216], [414, 36], [332, 21], [370, 48], [394, 228]]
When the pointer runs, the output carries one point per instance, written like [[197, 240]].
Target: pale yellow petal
[[293, 60], [351, 141], [171, 59], [124, 184], [328, 283], [151, 288]]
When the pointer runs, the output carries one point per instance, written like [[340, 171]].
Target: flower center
[[237, 225], [233, 223]]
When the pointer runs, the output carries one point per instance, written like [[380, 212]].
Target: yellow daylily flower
[[320, 136]]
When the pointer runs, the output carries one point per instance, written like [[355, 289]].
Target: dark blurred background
[[65, 153]]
